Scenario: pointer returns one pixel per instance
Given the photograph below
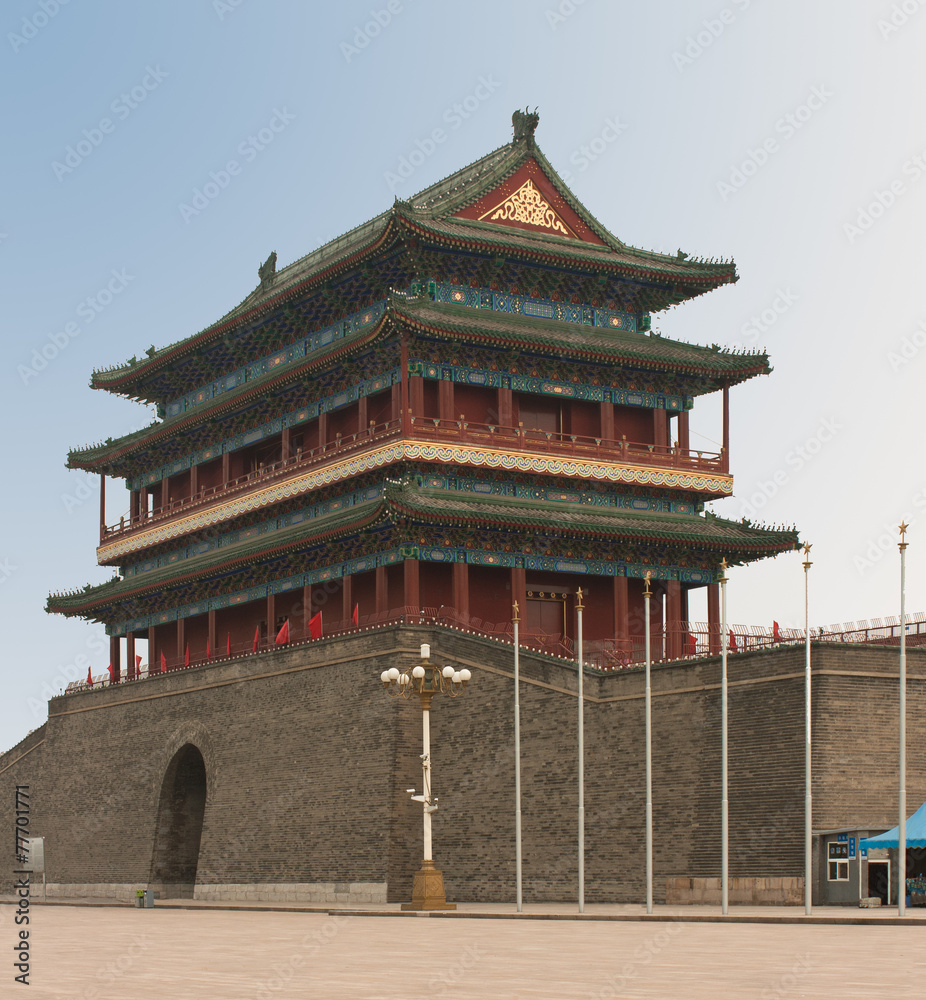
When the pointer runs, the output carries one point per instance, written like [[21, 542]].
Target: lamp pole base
[[428, 890]]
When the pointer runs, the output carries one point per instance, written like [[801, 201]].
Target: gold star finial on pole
[[646, 589], [807, 546], [903, 531]]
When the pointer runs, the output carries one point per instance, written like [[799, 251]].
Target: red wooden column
[[194, 479], [410, 577], [181, 641], [210, 620], [505, 407], [713, 618], [306, 608], [154, 661], [725, 461], [165, 491], [621, 588], [130, 656], [347, 604], [322, 429], [102, 506], [660, 429], [519, 590], [133, 506], [416, 395], [115, 651], [395, 410], [284, 443], [684, 437], [362, 412], [673, 619], [226, 467], [382, 590], [271, 619], [445, 400], [461, 589], [403, 377], [607, 421]]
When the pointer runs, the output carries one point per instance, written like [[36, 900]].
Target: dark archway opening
[[180, 825]]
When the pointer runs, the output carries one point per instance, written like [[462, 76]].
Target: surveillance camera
[[411, 791]]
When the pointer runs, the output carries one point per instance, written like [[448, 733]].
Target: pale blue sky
[[753, 130]]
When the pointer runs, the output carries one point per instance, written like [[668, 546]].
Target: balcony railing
[[573, 445], [434, 429], [606, 655]]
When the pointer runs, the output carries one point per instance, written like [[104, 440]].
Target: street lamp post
[[425, 680], [808, 788], [724, 809]]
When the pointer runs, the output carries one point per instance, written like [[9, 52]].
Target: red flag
[[112, 674], [89, 677], [208, 649], [256, 642], [163, 662], [732, 641], [354, 616], [186, 656], [776, 635], [691, 645], [283, 635], [228, 645], [137, 662], [315, 626]]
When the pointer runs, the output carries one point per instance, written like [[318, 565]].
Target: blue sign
[[852, 847], [864, 852], [842, 837]]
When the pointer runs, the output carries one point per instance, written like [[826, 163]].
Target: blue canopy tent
[[916, 833]]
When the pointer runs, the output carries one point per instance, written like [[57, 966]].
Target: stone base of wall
[[94, 890], [757, 891], [294, 892]]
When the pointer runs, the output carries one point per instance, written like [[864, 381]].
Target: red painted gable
[[528, 200]]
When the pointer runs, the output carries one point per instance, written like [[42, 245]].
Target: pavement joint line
[[681, 918]]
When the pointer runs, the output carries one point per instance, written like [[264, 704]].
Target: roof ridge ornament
[[525, 123], [267, 272]]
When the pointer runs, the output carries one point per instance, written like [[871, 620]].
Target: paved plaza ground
[[115, 951]]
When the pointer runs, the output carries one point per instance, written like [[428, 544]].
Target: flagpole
[[517, 755], [647, 593], [902, 738], [579, 608], [808, 790], [724, 815]]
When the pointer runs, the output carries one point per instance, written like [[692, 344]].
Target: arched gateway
[[181, 807]]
